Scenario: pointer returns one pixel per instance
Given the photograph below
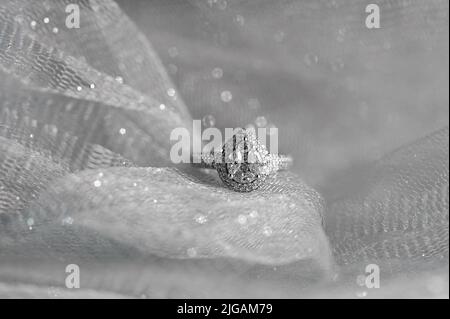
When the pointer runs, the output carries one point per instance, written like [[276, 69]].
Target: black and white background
[[88, 190]]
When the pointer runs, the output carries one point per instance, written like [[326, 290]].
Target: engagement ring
[[244, 163]]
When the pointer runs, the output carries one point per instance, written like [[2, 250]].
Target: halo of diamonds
[[244, 164]]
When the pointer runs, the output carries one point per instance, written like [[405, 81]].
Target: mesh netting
[[400, 212]]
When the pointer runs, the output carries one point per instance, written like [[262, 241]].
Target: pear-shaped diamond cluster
[[243, 163]]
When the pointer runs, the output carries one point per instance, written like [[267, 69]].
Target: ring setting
[[244, 163]]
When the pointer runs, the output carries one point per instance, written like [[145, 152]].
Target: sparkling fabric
[[399, 215], [86, 178]]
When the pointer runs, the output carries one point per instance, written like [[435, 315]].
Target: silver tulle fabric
[[85, 174]]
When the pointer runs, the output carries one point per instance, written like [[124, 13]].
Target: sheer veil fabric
[[86, 177]]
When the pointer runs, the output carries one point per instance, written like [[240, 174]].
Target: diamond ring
[[244, 163]]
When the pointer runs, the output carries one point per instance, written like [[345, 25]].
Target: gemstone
[[233, 168], [246, 166]]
